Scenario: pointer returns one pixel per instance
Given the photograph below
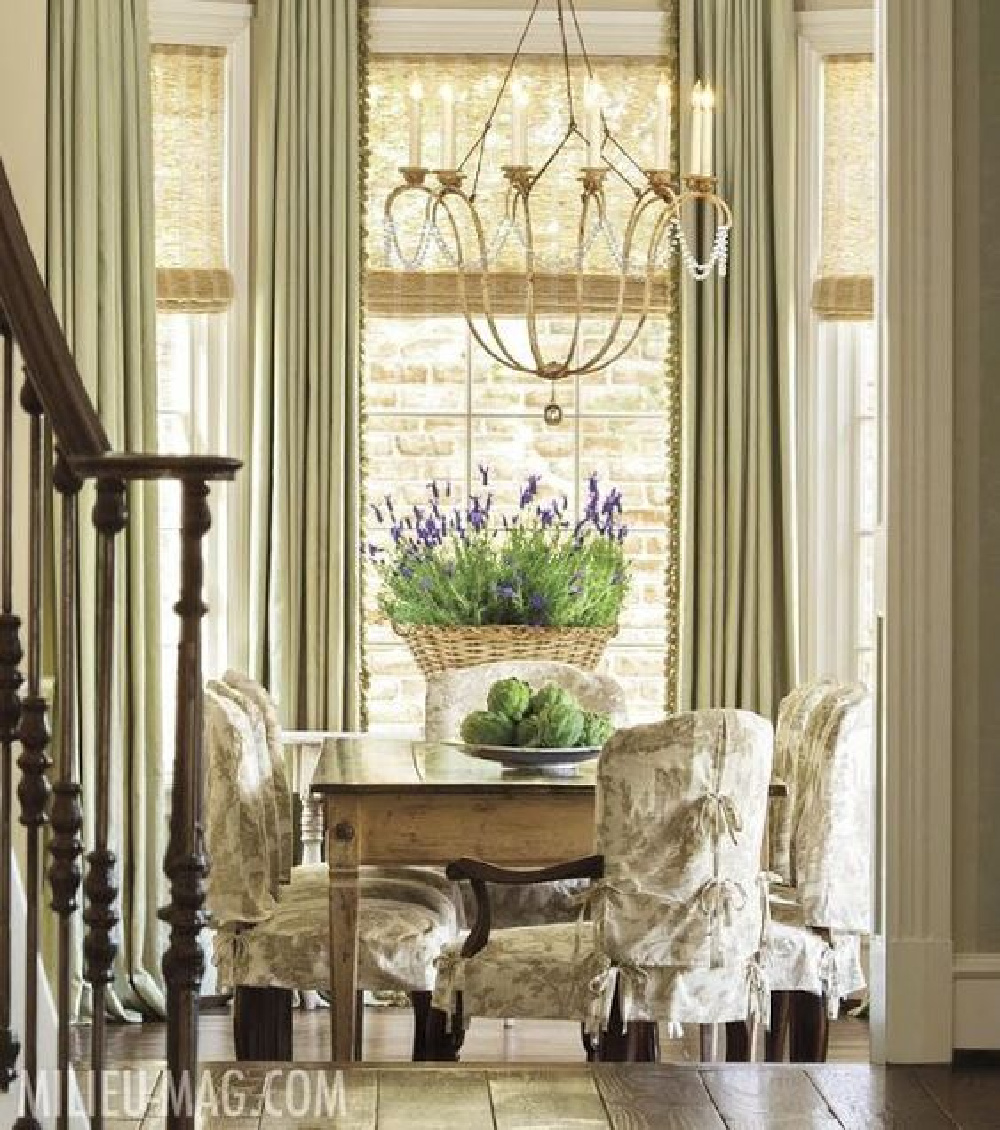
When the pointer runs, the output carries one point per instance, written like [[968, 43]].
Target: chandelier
[[667, 217]]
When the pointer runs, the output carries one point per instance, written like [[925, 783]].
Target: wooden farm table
[[395, 802]]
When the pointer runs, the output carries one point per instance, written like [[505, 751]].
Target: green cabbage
[[484, 727], [509, 697]]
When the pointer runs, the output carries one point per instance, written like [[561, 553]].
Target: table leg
[[342, 852]]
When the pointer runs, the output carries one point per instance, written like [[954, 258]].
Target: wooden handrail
[[28, 311]]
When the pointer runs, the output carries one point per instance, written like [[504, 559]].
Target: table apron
[[508, 830]]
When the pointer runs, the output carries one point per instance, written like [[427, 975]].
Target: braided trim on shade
[[844, 298], [193, 290], [428, 293]]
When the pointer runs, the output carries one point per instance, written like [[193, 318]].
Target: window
[[199, 103], [436, 406], [837, 363]]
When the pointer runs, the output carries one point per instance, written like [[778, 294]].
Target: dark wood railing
[[48, 792]]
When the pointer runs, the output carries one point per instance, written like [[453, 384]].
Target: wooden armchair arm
[[479, 874]]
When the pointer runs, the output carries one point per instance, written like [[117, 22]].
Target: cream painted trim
[[430, 31], [912, 1022], [841, 32], [977, 1001], [198, 21]]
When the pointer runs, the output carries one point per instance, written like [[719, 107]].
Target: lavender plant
[[469, 566]]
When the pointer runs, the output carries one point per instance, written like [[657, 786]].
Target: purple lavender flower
[[529, 490], [506, 590]]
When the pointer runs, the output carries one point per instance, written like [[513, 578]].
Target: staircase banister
[[27, 310], [130, 466]]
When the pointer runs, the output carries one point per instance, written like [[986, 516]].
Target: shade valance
[[189, 153]]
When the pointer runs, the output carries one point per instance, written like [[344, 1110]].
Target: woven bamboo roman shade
[[844, 288], [189, 154]]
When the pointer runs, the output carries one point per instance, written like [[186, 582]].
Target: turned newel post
[[10, 709], [110, 517], [33, 789], [66, 813], [186, 863]]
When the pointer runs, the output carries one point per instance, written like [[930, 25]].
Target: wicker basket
[[444, 648]]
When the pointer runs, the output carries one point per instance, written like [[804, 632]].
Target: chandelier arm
[[721, 207], [530, 317], [507, 357]]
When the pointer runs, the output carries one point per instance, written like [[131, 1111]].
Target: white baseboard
[[911, 993], [977, 1001]]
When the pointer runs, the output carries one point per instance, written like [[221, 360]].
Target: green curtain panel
[[738, 633], [101, 276], [304, 447]]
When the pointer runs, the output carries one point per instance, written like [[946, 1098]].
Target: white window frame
[[218, 23], [829, 560]]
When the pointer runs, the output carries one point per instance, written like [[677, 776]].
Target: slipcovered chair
[[675, 908], [453, 694], [794, 714], [271, 938], [813, 941]]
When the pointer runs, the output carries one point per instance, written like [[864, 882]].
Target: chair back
[[280, 777], [238, 815], [455, 693], [681, 810], [832, 856], [794, 714]]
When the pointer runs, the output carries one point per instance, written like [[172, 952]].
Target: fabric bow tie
[[718, 816], [721, 897]]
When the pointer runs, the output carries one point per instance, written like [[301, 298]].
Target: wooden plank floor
[[602, 1097], [388, 1035]]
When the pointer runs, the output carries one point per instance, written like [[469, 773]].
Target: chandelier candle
[[661, 158], [707, 108], [518, 129], [416, 124], [447, 126], [595, 138]]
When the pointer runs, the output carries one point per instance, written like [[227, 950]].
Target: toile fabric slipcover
[[789, 747], [813, 939], [279, 937], [675, 924]]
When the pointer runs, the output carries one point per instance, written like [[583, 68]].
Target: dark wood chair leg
[[590, 1045], [445, 1035], [613, 1044], [776, 1037], [359, 1026], [262, 1024], [809, 1029], [738, 1042], [643, 1041], [421, 1002]]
